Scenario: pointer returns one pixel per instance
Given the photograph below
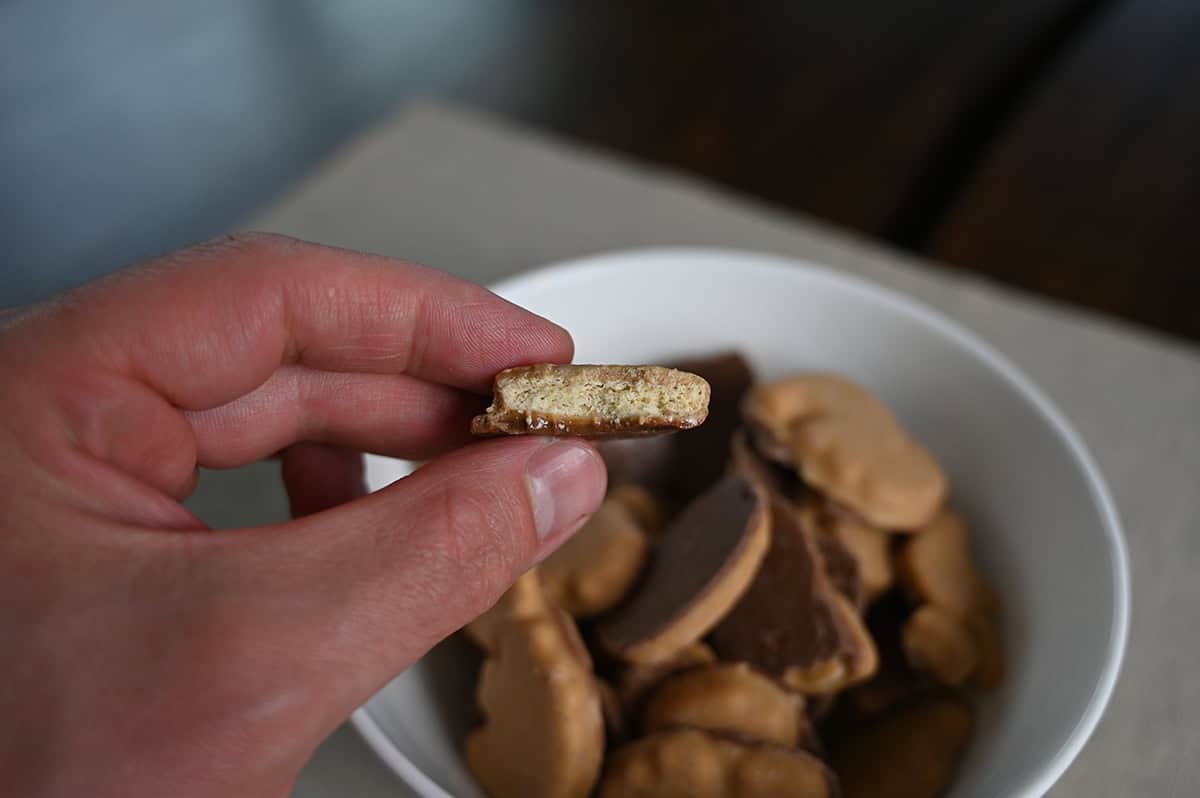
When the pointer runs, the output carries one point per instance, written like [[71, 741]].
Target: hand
[[143, 654]]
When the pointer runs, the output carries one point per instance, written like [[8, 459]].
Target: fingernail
[[566, 482]]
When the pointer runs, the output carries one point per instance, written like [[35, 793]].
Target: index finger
[[209, 324]]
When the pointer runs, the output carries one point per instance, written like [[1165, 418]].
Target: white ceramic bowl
[[1044, 526]]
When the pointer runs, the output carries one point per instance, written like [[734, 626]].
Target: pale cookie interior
[[696, 764], [544, 731], [731, 698], [611, 393], [593, 571]]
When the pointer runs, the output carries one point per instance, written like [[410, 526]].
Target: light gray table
[[476, 197]]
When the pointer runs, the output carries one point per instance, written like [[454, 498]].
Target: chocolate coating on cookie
[[702, 563], [791, 622]]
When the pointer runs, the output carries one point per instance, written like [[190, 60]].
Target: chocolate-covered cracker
[[701, 565], [792, 622]]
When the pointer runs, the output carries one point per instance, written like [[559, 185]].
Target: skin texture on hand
[[142, 654]]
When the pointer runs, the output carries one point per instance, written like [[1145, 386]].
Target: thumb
[[373, 584]]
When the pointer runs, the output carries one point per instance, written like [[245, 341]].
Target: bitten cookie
[[701, 565], [847, 444], [593, 401], [732, 698], [689, 763], [594, 570], [543, 736]]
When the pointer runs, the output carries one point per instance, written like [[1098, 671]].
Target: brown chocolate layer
[[513, 423], [842, 569], [791, 621]]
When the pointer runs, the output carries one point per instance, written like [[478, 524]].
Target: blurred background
[[1049, 144]]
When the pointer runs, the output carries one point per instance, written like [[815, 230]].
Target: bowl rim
[[1040, 781]]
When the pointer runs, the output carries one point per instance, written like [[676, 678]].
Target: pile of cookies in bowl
[[779, 602]]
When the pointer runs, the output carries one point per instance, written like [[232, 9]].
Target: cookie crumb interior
[[631, 392]]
